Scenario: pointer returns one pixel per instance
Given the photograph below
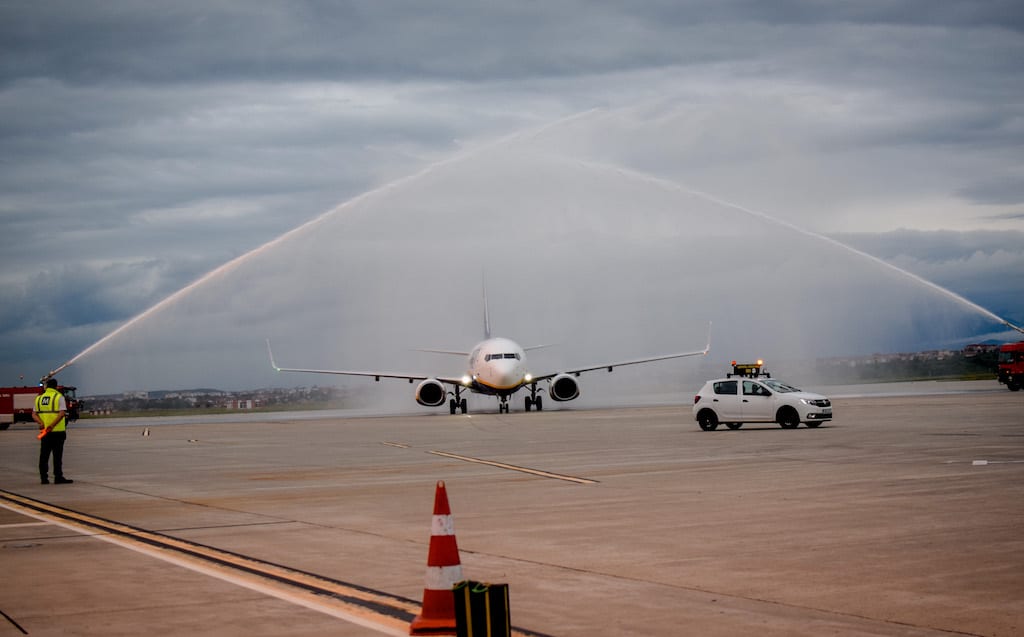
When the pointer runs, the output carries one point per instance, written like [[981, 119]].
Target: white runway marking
[[512, 467]]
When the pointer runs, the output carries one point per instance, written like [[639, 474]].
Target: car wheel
[[707, 420], [788, 418], [1013, 386], [734, 425], [814, 425]]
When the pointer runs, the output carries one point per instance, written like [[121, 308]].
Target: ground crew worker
[[49, 412]]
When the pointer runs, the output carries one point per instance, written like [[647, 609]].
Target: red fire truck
[[1011, 365], [16, 403]]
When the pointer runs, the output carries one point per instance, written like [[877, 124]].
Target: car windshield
[[782, 388]]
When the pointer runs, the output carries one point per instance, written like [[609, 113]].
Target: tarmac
[[903, 516]]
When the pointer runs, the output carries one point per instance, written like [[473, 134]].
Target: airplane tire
[[529, 403], [463, 405], [451, 406], [539, 404]]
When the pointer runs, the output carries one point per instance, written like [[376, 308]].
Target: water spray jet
[[234, 263], [670, 185]]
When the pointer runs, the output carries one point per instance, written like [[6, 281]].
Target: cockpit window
[[490, 357], [515, 356]]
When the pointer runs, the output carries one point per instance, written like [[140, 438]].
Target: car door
[[757, 403], [726, 401]]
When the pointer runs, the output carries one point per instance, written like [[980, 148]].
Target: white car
[[734, 401]]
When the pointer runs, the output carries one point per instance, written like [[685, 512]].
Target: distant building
[[980, 348], [247, 403]]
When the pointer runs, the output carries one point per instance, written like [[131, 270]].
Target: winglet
[[708, 347], [270, 353]]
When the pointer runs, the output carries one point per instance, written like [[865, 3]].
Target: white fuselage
[[497, 366]]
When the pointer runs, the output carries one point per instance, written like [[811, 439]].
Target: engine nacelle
[[431, 393], [563, 387]]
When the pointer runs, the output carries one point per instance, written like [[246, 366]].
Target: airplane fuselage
[[497, 366]]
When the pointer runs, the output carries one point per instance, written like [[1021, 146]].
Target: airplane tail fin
[[487, 316]]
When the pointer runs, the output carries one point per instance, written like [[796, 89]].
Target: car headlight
[[815, 402]]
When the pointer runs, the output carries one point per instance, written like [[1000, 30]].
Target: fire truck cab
[[1011, 365]]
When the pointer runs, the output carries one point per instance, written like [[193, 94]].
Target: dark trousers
[[52, 442]]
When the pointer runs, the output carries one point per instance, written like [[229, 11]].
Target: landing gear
[[457, 403], [533, 400], [503, 405]]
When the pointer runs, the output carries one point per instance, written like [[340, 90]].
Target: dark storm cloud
[[979, 264], [73, 296], [1007, 190], [1008, 215], [135, 42], [214, 41]]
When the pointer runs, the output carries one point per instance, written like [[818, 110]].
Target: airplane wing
[[375, 375], [610, 366], [443, 351]]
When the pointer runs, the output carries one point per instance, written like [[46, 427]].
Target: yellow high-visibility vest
[[48, 408]]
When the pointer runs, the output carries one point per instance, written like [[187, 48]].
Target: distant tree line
[[904, 367], [214, 400]]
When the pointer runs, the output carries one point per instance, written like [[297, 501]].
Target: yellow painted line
[[378, 611], [19, 524], [512, 467]]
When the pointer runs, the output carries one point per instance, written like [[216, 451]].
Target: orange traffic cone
[[443, 571]]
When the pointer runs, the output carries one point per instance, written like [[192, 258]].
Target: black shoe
[[44, 480], [63, 481]]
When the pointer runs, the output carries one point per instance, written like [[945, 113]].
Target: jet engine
[[431, 393], [564, 387]]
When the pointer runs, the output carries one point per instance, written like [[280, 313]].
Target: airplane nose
[[508, 374]]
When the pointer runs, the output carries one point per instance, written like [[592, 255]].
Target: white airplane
[[496, 367]]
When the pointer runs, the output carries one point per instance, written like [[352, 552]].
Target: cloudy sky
[[146, 145]]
